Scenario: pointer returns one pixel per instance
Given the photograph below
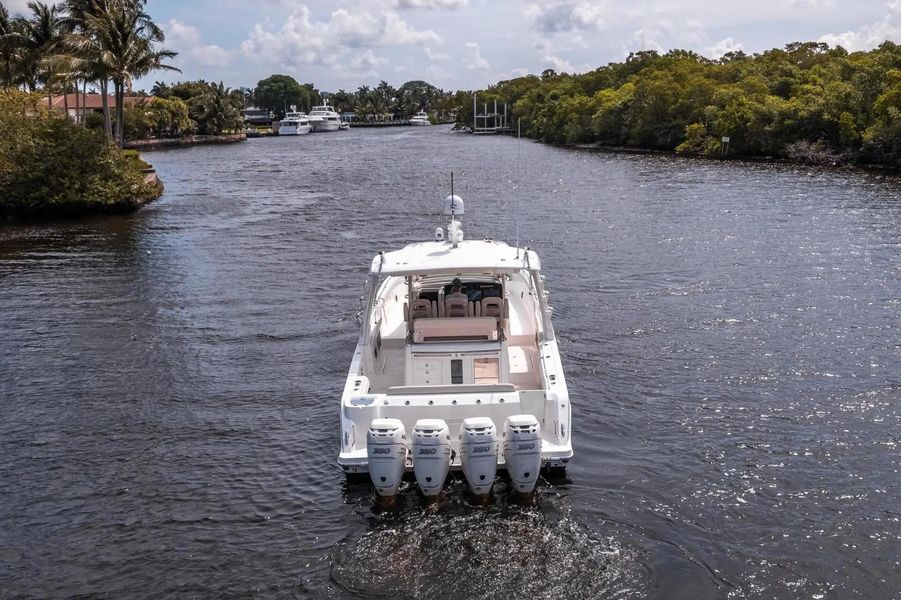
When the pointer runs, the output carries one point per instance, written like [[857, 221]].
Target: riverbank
[[51, 167], [183, 142], [827, 162]]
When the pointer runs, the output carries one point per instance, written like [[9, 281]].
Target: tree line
[[806, 101], [61, 47], [278, 93]]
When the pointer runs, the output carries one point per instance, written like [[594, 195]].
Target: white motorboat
[[420, 118], [324, 118], [294, 123], [456, 368]]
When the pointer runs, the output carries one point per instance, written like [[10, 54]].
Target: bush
[[52, 166], [158, 117], [94, 120]]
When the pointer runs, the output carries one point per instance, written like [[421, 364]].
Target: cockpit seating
[[421, 309], [456, 307], [492, 307]]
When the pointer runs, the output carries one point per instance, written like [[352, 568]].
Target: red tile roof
[[95, 101]]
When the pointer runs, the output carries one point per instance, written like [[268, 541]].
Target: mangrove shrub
[[50, 166]]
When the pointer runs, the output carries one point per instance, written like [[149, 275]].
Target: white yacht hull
[[319, 126], [358, 410], [417, 123], [302, 130]]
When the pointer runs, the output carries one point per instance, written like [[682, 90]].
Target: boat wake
[[502, 551]]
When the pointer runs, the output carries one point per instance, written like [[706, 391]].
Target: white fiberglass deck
[[451, 332]]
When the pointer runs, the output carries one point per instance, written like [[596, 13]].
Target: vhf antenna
[[518, 175], [453, 204]]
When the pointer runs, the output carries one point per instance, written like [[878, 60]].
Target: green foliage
[[94, 120], [134, 161], [158, 117], [216, 110], [52, 166], [192, 106], [806, 99], [278, 93], [698, 141], [184, 90], [384, 101]]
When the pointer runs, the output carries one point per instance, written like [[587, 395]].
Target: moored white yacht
[[420, 118], [456, 368], [324, 118], [294, 123]]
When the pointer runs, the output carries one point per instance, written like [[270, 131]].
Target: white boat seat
[[463, 328], [492, 307], [457, 307], [421, 309]]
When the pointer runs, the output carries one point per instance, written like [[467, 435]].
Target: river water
[[169, 380]]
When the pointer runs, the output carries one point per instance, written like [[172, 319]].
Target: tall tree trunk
[[84, 103], [104, 91], [120, 113], [66, 99], [77, 108]]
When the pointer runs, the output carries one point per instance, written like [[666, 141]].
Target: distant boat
[[324, 118], [257, 116], [344, 126], [294, 123], [420, 118]]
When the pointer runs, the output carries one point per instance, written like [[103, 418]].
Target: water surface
[[169, 380]]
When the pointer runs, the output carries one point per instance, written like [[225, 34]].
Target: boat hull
[[551, 408], [302, 130], [320, 126]]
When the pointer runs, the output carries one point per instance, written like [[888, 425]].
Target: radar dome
[[453, 205]]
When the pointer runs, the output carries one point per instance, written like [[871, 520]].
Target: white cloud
[[303, 41], [432, 55], [721, 48], [367, 61], [558, 64], [870, 36], [16, 7], [186, 40], [451, 4], [556, 16], [474, 57]]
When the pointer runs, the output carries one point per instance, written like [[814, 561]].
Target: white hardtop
[[471, 256]]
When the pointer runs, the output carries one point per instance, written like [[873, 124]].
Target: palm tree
[[160, 89], [216, 110], [10, 49], [40, 37], [124, 39], [88, 68]]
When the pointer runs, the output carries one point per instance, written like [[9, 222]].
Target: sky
[[468, 44]]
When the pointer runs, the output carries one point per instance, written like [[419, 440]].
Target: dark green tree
[[278, 93]]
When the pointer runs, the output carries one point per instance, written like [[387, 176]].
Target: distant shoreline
[[836, 165], [184, 142]]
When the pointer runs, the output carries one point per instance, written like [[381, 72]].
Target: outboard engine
[[386, 448], [478, 452], [522, 451], [431, 455]]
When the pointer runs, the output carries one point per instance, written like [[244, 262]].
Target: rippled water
[[169, 380]]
